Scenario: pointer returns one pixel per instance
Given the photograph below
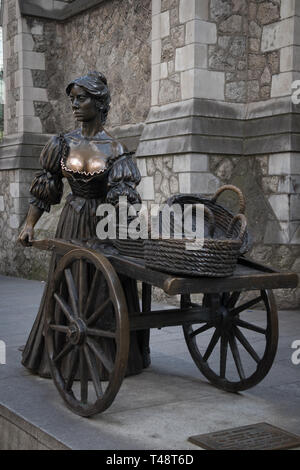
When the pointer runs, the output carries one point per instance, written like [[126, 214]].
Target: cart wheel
[[76, 344], [235, 351]]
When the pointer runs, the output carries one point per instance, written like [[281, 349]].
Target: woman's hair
[[95, 84]]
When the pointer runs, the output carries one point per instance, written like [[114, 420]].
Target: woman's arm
[[26, 235]]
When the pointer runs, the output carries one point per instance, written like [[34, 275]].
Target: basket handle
[[243, 222], [230, 187]]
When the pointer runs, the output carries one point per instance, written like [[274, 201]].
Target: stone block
[[295, 163], [164, 24], [37, 28], [201, 32], [17, 190], [146, 188], [156, 51], [25, 108], [33, 94], [191, 56], [21, 205], [155, 75], [141, 163], [282, 84], [278, 35], [289, 8], [154, 93], [23, 78], [295, 207], [32, 60], [160, 25], [30, 124], [232, 25], [276, 233], [156, 7], [23, 42], [199, 83], [155, 27], [164, 70], [2, 207], [204, 183], [192, 9], [184, 183], [280, 164], [280, 206], [209, 85], [14, 221], [287, 59], [295, 233], [190, 162], [267, 13]]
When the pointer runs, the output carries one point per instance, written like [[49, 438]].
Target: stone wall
[[113, 38], [239, 49]]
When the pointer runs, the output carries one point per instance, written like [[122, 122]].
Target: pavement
[[158, 409]]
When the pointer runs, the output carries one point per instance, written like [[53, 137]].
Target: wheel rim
[[232, 350], [74, 340]]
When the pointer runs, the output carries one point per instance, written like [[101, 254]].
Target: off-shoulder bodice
[[119, 177]]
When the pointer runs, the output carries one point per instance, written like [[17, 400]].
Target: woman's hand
[[26, 235]]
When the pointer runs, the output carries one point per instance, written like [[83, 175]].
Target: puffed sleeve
[[123, 179], [47, 186]]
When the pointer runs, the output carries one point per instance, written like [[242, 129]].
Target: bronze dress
[[78, 221]]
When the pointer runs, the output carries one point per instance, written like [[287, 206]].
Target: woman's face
[[83, 105]]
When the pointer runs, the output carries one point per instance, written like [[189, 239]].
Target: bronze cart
[[78, 337]]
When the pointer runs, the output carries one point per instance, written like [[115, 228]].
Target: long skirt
[[78, 222]]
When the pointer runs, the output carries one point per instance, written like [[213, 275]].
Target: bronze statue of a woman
[[98, 169]]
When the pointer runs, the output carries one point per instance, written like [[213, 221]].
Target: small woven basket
[[213, 258], [223, 217]]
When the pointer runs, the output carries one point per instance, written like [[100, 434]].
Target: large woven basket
[[129, 246], [214, 258], [223, 217]]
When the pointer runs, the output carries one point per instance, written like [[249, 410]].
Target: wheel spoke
[[245, 306], [223, 355], [91, 363], [206, 327], [65, 307], [212, 344], [91, 293], [82, 287], [244, 342], [249, 326], [100, 354], [101, 333], [66, 349], [100, 310], [74, 363], [236, 357], [60, 328], [72, 291], [233, 299], [83, 377]]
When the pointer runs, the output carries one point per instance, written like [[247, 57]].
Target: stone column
[[25, 93], [169, 156]]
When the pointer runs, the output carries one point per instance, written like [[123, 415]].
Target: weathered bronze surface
[[219, 314], [98, 169], [260, 436]]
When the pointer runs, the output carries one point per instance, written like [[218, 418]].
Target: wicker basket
[[214, 258], [223, 217], [128, 246]]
